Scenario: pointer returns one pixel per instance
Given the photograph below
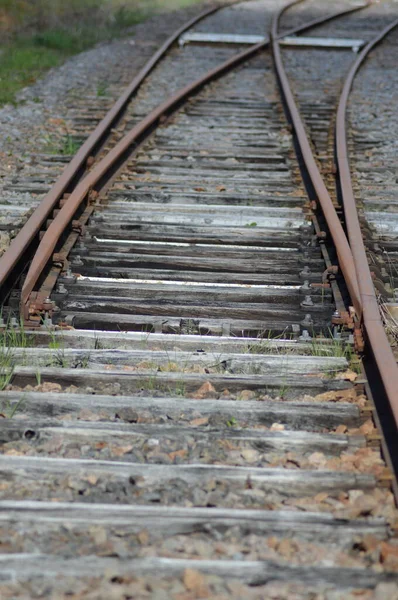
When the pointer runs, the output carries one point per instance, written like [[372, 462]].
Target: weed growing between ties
[[8, 408], [12, 336], [285, 344], [65, 145]]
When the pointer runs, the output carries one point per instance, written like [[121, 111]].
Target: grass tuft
[[66, 146]]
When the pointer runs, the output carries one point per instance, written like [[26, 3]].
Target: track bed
[[192, 423]]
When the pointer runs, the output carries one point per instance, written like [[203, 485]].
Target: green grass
[[66, 146], [20, 65], [102, 89], [317, 346], [11, 337], [35, 36]]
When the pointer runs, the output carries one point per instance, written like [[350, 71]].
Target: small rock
[[207, 390], [92, 479], [127, 414], [195, 582], [249, 455], [341, 429], [317, 459], [88, 415], [287, 548], [277, 427], [367, 427], [120, 450], [218, 420], [152, 442], [348, 375], [200, 421], [111, 389], [49, 386], [143, 537], [389, 556], [72, 389], [246, 395]]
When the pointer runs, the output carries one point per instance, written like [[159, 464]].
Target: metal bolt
[[336, 333], [295, 329], [305, 336], [307, 301], [47, 321], [307, 321], [77, 260], [68, 275], [61, 289], [306, 287], [305, 272]]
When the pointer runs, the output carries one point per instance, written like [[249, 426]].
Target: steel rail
[[337, 232], [30, 230], [137, 134], [381, 349]]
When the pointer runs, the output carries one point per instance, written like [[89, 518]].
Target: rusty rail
[[135, 136], [372, 321], [343, 250], [30, 230]]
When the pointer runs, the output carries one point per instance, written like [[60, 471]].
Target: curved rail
[[372, 321], [344, 253], [30, 230], [135, 136]]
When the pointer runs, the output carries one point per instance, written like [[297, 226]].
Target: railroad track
[[185, 411]]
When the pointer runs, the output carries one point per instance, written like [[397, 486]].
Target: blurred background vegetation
[[38, 34]]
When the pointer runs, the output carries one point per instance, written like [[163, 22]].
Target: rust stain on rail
[[344, 253], [372, 321]]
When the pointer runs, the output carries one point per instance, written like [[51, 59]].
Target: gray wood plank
[[89, 339], [266, 441], [249, 363], [169, 324], [296, 415], [23, 567], [130, 382], [288, 482], [171, 520]]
